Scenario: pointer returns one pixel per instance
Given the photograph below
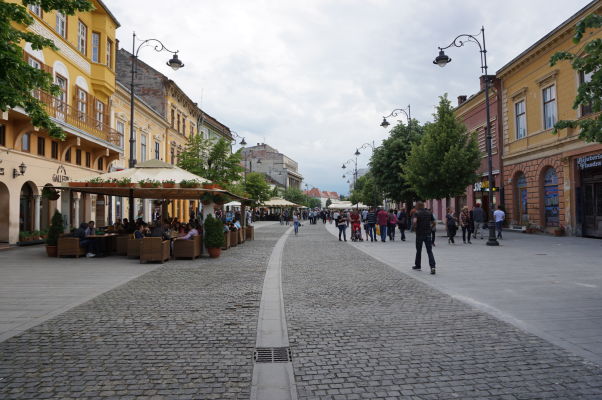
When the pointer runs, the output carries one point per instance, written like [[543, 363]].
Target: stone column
[[36, 212], [76, 203], [65, 208], [207, 209]]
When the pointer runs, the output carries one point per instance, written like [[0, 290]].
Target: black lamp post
[[354, 161], [236, 136], [365, 145], [174, 63], [442, 60], [385, 124]]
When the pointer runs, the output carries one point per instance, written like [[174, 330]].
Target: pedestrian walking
[[296, 222], [402, 223], [411, 219], [341, 222], [478, 216], [423, 224], [392, 224], [434, 228], [371, 218], [499, 215], [382, 218], [465, 224], [451, 225]]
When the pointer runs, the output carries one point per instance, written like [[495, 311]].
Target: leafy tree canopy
[[445, 160], [211, 160], [328, 203], [18, 79], [257, 188], [366, 191], [388, 160], [589, 93]]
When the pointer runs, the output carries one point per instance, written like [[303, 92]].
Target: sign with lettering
[[592, 161], [483, 186], [61, 175]]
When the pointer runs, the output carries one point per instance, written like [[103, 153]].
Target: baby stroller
[[356, 231]]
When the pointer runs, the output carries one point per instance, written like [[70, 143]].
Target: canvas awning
[[279, 202], [152, 169], [341, 205]]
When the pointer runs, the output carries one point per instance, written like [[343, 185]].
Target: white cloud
[[314, 77]]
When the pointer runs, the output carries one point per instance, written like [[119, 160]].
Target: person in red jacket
[[382, 219]]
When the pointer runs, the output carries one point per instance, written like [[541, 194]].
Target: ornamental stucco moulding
[[64, 48]]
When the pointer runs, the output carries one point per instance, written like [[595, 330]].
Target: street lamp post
[[365, 145], [385, 124], [174, 63], [442, 60]]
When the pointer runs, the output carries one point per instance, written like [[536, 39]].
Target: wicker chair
[[188, 248], [250, 232], [69, 246], [154, 249], [233, 238], [226, 245], [121, 244], [133, 249]]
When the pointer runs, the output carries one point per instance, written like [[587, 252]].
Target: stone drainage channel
[[273, 376]]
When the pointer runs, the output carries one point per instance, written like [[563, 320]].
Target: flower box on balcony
[[78, 184]]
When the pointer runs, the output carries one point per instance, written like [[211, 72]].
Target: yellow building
[[548, 182], [84, 68]]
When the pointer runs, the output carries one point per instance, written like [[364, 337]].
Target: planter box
[[109, 184], [211, 186], [148, 185], [127, 185], [78, 184], [94, 184], [250, 232], [169, 185]]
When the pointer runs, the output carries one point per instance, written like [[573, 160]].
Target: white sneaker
[[90, 255]]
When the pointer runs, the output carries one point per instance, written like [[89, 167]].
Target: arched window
[[521, 198], [550, 198]]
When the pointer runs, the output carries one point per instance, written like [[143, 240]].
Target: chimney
[[461, 99], [482, 80]]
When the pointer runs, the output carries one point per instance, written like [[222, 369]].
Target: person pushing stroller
[[356, 227]]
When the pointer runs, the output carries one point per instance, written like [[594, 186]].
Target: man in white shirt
[[499, 217]]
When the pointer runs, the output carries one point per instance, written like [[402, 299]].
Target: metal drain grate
[[272, 354]]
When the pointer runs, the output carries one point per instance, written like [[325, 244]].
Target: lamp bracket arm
[[397, 112], [159, 46], [463, 38]]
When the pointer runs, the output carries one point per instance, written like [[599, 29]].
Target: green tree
[[257, 188], [312, 202], [295, 195], [445, 160], [328, 203], [356, 194], [211, 160], [366, 191], [388, 160], [589, 93], [276, 191], [18, 79]]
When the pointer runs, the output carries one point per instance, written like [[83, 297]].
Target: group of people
[[472, 223]]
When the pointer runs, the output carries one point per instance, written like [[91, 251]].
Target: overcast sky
[[314, 78]]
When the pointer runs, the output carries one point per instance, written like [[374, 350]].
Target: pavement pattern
[[359, 329], [186, 330]]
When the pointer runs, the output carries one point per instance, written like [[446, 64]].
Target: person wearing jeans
[[371, 220], [499, 216], [423, 222], [382, 218], [342, 225]]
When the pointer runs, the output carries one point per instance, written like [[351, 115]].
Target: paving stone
[[388, 333]]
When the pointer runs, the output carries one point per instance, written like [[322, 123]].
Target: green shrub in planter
[[56, 228], [214, 232]]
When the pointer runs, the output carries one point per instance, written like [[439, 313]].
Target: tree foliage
[[298, 197], [445, 161], [388, 160], [18, 79], [211, 160], [328, 203], [366, 191], [589, 94], [257, 188]]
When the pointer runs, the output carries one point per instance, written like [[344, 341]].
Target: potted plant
[[35, 235], [124, 182], [50, 193], [149, 183], [213, 235], [211, 185], [559, 231], [189, 183], [169, 183], [78, 184], [43, 234], [56, 228], [110, 183], [96, 182], [23, 236], [219, 200], [206, 198]]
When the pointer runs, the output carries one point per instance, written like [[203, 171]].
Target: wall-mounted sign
[[61, 175], [592, 161], [483, 186]]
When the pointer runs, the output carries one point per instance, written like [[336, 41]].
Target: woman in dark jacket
[[452, 226]]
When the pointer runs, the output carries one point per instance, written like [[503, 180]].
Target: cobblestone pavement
[[361, 330], [186, 330]]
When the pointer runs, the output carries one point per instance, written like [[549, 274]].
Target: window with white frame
[[143, 148], [549, 106], [82, 103], [82, 37], [99, 113], [109, 51], [36, 9], [520, 119], [61, 24], [95, 46], [120, 126]]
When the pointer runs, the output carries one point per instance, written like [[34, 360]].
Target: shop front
[[482, 194], [590, 215]]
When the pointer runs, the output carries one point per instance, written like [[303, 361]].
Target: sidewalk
[[549, 286]]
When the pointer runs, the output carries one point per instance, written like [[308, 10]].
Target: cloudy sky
[[313, 78]]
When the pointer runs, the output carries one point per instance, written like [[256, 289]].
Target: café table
[[104, 243]]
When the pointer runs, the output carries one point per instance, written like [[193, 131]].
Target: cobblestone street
[[358, 329]]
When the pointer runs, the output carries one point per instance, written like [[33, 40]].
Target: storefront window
[[550, 197], [522, 198]]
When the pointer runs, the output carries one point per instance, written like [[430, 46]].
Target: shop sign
[[592, 161], [483, 187], [61, 175]]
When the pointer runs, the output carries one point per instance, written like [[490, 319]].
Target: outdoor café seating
[[121, 244], [226, 245], [233, 238], [133, 247], [188, 248], [69, 246], [154, 249]]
